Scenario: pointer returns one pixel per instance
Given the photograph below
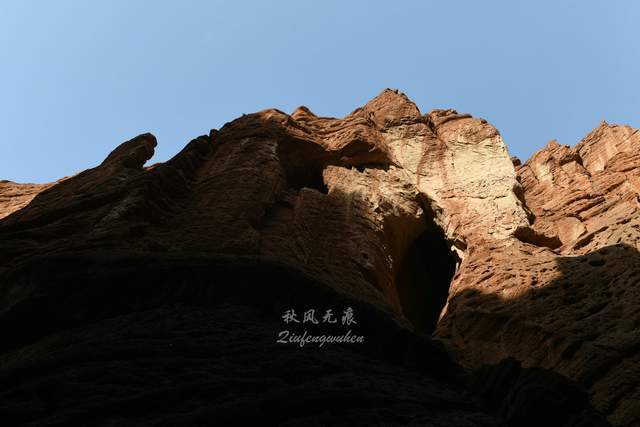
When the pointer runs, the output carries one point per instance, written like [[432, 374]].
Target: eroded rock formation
[[421, 221], [571, 307]]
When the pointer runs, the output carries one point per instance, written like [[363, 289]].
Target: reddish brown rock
[[572, 308], [423, 222], [14, 196]]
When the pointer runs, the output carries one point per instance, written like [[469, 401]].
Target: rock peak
[[302, 111], [391, 107], [133, 153]]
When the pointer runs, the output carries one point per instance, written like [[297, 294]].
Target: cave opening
[[423, 278], [310, 176]]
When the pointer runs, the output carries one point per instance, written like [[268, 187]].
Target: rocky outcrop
[[420, 221], [586, 194], [570, 307], [14, 196]]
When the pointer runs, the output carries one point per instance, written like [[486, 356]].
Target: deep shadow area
[[534, 397], [307, 177], [423, 279], [191, 340]]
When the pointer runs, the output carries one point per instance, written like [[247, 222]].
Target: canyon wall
[[422, 221]]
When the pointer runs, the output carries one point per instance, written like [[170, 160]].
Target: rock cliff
[[489, 291]]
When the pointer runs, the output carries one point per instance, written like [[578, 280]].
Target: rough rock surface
[[14, 196], [568, 302], [421, 222]]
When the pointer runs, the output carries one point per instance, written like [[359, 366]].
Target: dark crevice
[[423, 278], [518, 190], [379, 166], [307, 177]]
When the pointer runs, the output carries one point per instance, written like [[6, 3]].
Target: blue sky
[[77, 78]]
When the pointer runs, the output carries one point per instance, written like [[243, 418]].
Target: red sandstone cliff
[[421, 218]]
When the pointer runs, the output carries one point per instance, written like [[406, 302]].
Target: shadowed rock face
[[149, 294]]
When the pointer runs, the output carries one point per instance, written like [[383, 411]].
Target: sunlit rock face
[[423, 221], [574, 307]]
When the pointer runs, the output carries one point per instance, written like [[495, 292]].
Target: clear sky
[[77, 77]]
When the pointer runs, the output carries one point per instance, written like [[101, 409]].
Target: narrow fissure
[[423, 278]]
